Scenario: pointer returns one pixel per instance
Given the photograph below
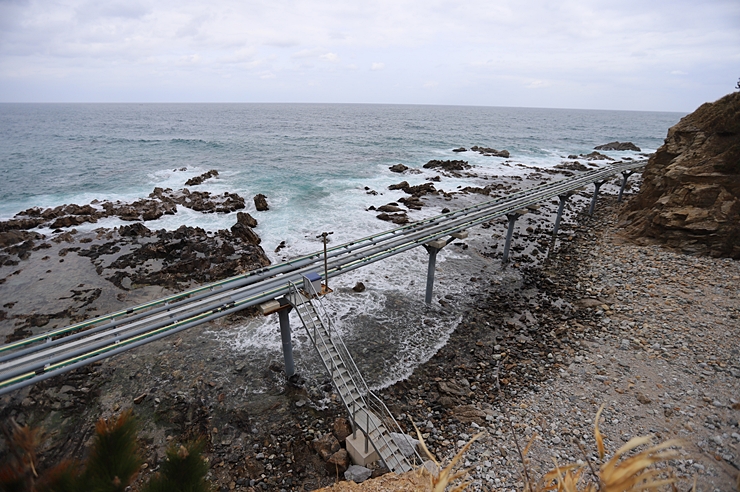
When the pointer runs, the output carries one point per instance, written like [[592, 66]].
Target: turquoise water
[[313, 161], [60, 153]]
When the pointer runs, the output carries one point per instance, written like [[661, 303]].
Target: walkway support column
[[512, 216], [563, 198], [597, 185], [432, 248], [283, 307], [625, 175], [285, 336]]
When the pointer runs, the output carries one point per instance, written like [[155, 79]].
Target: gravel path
[[653, 335]]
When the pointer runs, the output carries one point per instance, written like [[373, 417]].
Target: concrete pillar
[[283, 314], [510, 231], [432, 248], [563, 199], [625, 175], [597, 185]]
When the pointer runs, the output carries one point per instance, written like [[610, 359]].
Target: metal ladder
[[368, 412]]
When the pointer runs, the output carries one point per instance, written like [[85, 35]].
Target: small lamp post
[[324, 236]]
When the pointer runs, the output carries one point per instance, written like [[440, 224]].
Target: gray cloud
[[632, 55]]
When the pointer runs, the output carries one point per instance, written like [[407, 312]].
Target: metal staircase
[[367, 412]]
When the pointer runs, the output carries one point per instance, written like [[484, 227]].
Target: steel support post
[[510, 232], [287, 342], [625, 175], [561, 207], [430, 272], [597, 185]]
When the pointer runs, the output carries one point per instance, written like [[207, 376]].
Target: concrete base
[[356, 450]]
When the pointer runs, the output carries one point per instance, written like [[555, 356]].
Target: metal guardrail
[[55, 352]]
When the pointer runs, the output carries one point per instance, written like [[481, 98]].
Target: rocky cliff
[[690, 196]]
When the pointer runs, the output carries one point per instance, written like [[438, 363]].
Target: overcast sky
[[664, 55]]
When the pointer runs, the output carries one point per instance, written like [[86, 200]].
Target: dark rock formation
[[690, 195], [593, 156], [618, 146], [399, 219], [199, 179], [572, 166], [487, 151], [447, 165], [460, 149], [260, 202], [245, 219], [398, 168]]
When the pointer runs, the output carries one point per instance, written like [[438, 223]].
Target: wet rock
[[245, 233], [245, 219], [448, 165], [359, 287], [260, 202], [398, 168], [460, 149], [618, 146], [487, 151], [135, 230], [572, 166], [200, 179], [389, 208], [399, 186], [395, 218]]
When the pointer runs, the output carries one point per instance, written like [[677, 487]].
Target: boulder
[[447, 165], [406, 444], [398, 168], [359, 287], [199, 179], [245, 219], [260, 202], [618, 146], [399, 186], [341, 429], [338, 463], [690, 195], [357, 473], [460, 149], [326, 446], [487, 151], [245, 233]]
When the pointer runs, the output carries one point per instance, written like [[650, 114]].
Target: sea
[[315, 163]]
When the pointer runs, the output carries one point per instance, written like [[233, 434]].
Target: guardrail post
[[509, 233], [625, 175], [283, 314], [597, 185], [563, 198]]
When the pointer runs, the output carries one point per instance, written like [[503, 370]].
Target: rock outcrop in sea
[[690, 196]]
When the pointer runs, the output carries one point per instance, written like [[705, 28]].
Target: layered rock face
[[690, 196]]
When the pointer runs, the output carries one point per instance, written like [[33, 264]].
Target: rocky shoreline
[[537, 331]]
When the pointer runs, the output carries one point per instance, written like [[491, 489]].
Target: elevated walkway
[[55, 352]]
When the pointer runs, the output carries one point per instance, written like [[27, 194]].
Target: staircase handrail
[[370, 399]]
